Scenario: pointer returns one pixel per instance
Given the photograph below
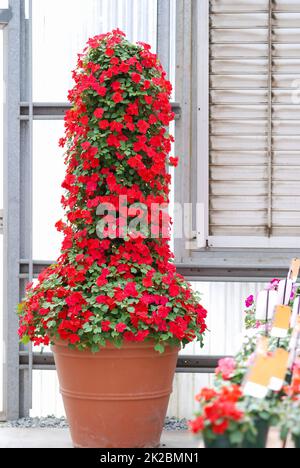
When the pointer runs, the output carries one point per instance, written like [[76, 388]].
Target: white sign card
[[296, 312], [285, 288], [265, 305]]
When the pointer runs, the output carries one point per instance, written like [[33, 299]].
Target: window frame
[[263, 254]]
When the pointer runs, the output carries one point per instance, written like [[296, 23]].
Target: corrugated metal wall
[[62, 28], [225, 302]]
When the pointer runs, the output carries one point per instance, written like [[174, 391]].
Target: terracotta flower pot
[[116, 398]]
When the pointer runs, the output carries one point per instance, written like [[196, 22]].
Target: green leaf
[[94, 348], [51, 324], [25, 340], [160, 348], [236, 437]]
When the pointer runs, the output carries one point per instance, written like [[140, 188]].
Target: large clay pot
[[116, 398]]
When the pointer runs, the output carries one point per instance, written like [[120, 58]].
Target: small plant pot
[[263, 429], [221, 442], [296, 440]]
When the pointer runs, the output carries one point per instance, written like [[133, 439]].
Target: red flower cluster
[[219, 410], [117, 145], [293, 390]]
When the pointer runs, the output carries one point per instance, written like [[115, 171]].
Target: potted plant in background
[[264, 415], [290, 410], [113, 306], [257, 416], [221, 420]]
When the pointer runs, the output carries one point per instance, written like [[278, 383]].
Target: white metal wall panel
[[254, 118], [62, 28]]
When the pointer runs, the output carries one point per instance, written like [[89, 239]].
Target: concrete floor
[[59, 438]]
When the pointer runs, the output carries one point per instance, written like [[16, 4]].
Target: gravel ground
[[171, 424]]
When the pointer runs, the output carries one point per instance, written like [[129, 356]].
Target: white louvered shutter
[[254, 118]]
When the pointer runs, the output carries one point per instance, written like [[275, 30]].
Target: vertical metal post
[[270, 120], [164, 33], [26, 188], [203, 126], [183, 132], [12, 74]]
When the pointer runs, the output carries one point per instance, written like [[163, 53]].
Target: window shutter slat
[[242, 137]]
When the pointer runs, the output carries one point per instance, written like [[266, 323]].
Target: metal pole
[[12, 59], [270, 122], [30, 182], [26, 190], [164, 33]]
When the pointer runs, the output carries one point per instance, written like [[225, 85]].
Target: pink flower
[[249, 301], [226, 368], [273, 285], [251, 360], [294, 290]]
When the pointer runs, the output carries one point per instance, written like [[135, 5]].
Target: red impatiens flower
[[197, 425], [105, 326], [84, 120], [136, 78], [116, 127], [117, 98], [44, 312], [136, 162], [114, 141], [220, 428], [143, 126], [104, 124], [110, 52], [174, 290], [101, 299], [174, 162], [130, 290], [102, 280], [101, 90], [116, 86], [206, 394], [75, 299], [219, 410], [73, 339], [124, 67], [99, 113], [120, 327], [148, 280], [117, 152]]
